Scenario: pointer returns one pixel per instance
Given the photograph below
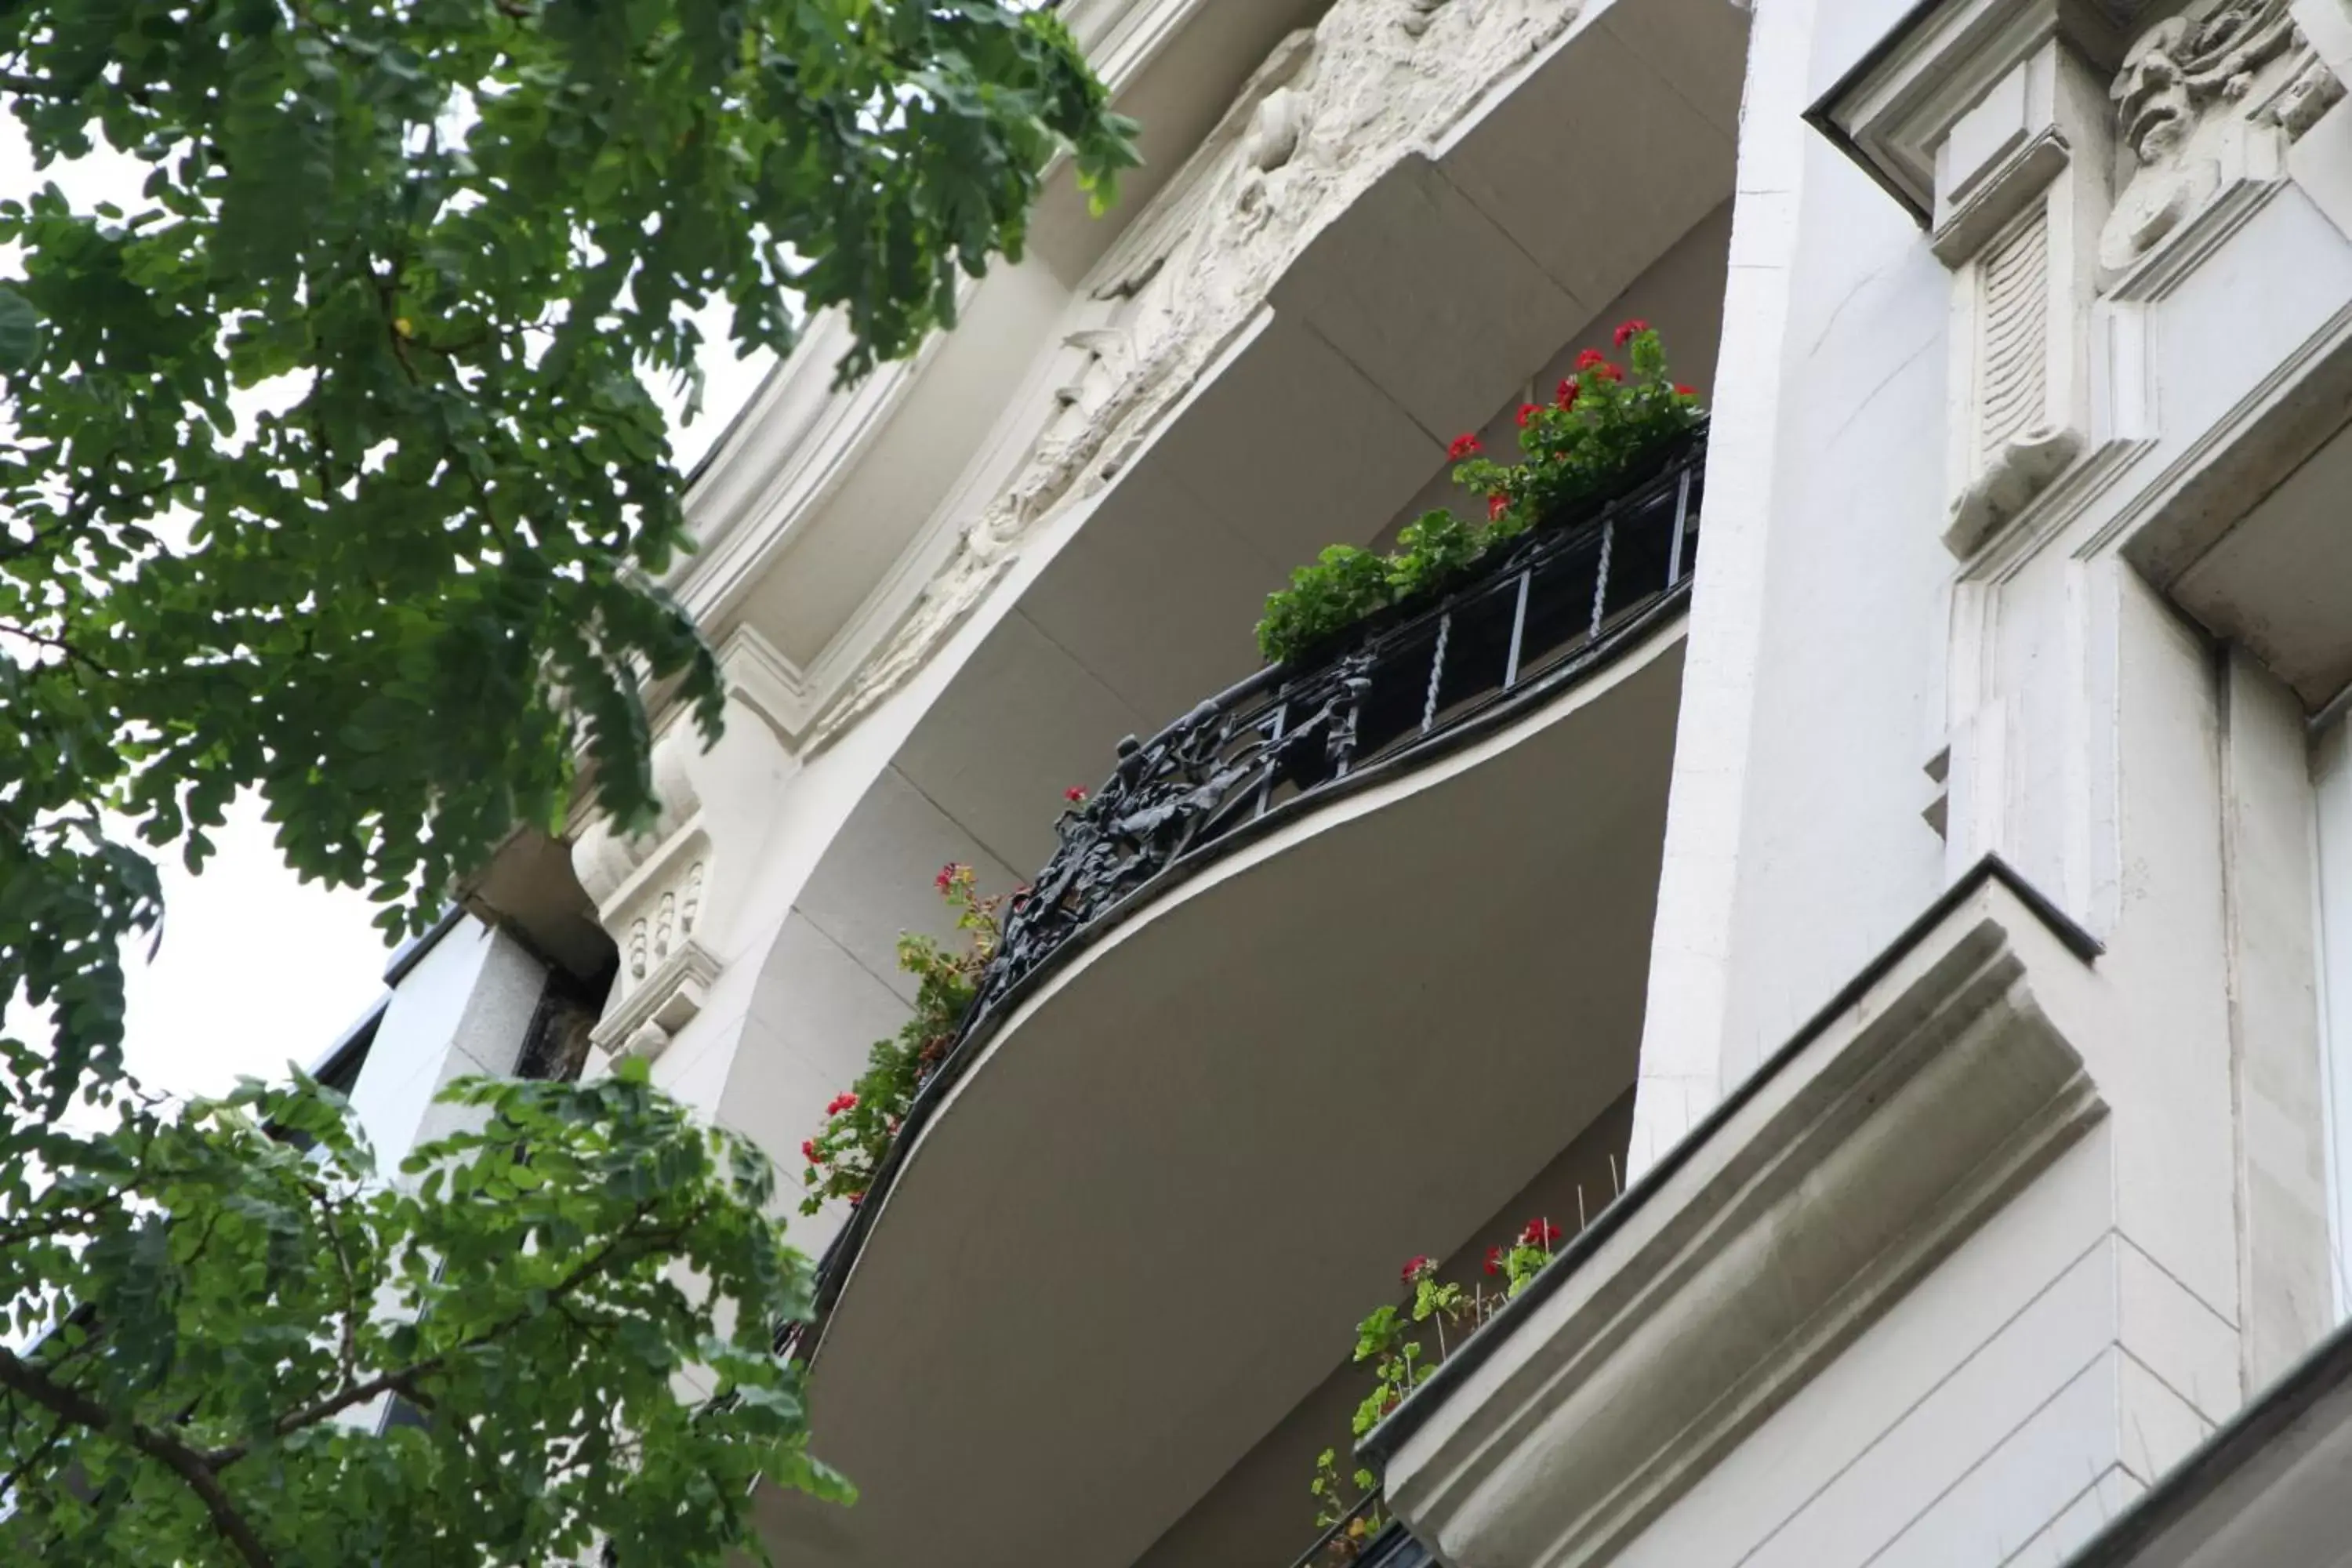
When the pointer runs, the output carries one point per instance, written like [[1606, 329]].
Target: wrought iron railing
[[1552, 605], [1423, 676]]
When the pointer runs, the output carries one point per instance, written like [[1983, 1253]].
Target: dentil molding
[[1878, 1141]]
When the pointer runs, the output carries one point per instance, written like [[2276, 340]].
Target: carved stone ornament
[[649, 887], [2023, 183], [2205, 101], [1321, 120]]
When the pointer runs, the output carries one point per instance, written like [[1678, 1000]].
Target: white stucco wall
[[462, 1010], [2144, 778]]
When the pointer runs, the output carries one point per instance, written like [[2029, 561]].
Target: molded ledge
[[665, 1002], [1929, 1093]]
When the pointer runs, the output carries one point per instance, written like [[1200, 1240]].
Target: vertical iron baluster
[[1682, 521], [1436, 671], [1273, 756], [1347, 711], [1600, 573], [1518, 630]]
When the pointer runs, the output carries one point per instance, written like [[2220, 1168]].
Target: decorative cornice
[[1893, 111], [766, 682], [665, 1003], [1933, 1090]]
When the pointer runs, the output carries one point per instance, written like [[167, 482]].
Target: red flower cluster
[[1497, 505], [1074, 795], [1608, 371], [1494, 1260], [948, 874], [1590, 358], [1462, 447], [1626, 332], [841, 1102], [1682, 391], [1540, 1233], [1528, 411], [1567, 390], [808, 1151], [1418, 1268]]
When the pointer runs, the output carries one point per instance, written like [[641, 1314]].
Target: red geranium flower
[[1497, 505], [1626, 332], [1074, 795], [1590, 358], [947, 876], [1462, 447], [1682, 391], [1567, 390], [1608, 371], [1494, 1260], [1415, 1266], [1539, 1233], [841, 1102], [1528, 411], [808, 1151]]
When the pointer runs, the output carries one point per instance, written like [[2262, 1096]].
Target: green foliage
[[861, 1123], [1343, 586], [1603, 426], [330, 471], [236, 1290], [1363, 1516], [440, 245], [1387, 1340]]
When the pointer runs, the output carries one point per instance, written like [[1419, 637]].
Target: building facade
[[1878, 882]]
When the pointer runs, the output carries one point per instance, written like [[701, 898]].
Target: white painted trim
[[662, 1004], [1899, 1126]]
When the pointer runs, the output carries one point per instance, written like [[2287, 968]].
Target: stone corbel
[[1921, 1100], [652, 1013], [651, 890], [1989, 119]]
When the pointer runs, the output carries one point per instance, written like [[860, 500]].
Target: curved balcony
[[1245, 945], [1390, 694]]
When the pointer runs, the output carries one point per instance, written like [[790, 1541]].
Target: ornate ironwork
[[1559, 596], [1531, 619]]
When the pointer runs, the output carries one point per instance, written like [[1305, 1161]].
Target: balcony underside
[[1050, 1344]]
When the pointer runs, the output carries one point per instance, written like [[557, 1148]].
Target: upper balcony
[[1399, 889], [1394, 894]]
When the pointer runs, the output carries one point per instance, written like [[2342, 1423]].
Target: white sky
[[255, 968]]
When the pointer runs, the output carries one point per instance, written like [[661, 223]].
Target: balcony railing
[[1542, 613], [1408, 684]]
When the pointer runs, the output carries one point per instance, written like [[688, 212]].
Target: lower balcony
[[1346, 965]]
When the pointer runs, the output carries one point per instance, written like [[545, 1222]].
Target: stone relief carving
[[1329, 110], [648, 886], [2200, 101], [2021, 188]]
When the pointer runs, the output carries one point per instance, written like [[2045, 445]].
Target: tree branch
[[31, 1461], [71, 1405], [404, 1381], [348, 1361]]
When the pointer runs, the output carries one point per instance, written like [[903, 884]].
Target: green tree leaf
[[20, 330]]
